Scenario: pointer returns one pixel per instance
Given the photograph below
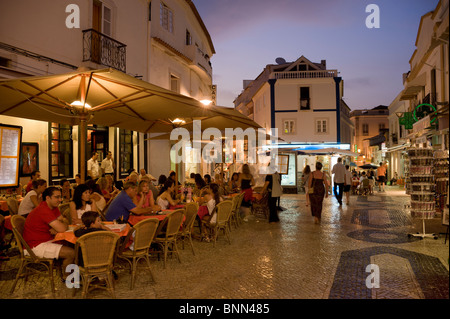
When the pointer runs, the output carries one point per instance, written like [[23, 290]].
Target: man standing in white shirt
[[108, 165], [93, 167], [339, 179]]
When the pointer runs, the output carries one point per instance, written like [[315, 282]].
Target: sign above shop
[[420, 112], [424, 110], [407, 120]]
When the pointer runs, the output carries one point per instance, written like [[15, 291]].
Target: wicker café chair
[[223, 214], [260, 208], [234, 210], [188, 224], [224, 210], [18, 224], [237, 214], [169, 236], [97, 252], [13, 205], [144, 231]]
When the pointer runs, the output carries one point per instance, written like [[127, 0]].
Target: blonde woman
[[144, 197]]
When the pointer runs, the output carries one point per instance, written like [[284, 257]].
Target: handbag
[[311, 189]]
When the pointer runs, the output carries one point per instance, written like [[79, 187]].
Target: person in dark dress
[[273, 208], [319, 183]]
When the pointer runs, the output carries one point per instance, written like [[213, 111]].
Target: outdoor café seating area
[[132, 247]]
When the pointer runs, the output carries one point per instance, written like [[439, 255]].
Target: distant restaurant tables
[[134, 219], [255, 195]]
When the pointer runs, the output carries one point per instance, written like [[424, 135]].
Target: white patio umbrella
[[104, 97]]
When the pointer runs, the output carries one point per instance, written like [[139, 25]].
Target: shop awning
[[397, 147], [331, 151]]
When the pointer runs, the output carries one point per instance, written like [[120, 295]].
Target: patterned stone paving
[[294, 259]]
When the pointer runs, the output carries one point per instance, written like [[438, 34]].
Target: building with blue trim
[[304, 101]]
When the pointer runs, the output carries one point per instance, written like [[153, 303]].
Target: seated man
[[122, 205], [364, 187], [41, 226]]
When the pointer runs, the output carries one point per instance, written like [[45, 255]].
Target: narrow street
[[294, 259]]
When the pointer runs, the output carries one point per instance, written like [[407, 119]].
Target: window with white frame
[[107, 21], [174, 83], [288, 126], [321, 126], [166, 17]]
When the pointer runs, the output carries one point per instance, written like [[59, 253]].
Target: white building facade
[[162, 42], [303, 100], [427, 83]]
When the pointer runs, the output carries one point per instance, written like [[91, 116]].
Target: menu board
[[10, 140]]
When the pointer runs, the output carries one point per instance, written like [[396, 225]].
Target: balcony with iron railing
[[102, 49], [316, 74]]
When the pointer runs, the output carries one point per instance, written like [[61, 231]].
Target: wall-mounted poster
[[29, 160], [10, 140]]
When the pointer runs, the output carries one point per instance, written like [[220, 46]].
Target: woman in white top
[[33, 197], [81, 203], [165, 199]]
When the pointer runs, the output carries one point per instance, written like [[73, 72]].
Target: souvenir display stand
[[422, 187], [440, 169]]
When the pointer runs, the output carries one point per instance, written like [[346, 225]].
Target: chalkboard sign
[[10, 140]]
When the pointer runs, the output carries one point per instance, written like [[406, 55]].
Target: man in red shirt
[[43, 223]]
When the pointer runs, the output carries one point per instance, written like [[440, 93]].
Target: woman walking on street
[[319, 183]]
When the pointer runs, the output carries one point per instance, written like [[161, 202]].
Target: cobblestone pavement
[[293, 259]]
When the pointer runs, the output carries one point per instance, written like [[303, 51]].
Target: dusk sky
[[249, 34]]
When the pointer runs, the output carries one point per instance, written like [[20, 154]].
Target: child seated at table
[[210, 197], [91, 222]]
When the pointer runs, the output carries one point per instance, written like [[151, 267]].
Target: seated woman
[[81, 203], [107, 188], [66, 191], [144, 197], [33, 197], [199, 184], [165, 200], [96, 194], [210, 198], [233, 185]]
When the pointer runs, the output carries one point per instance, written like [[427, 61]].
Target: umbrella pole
[[82, 157]]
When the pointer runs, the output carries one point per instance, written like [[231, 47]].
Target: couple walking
[[318, 187], [342, 181]]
